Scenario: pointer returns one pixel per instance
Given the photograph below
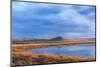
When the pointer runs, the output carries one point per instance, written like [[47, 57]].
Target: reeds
[[26, 58]]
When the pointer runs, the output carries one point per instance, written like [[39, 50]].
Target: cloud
[[50, 20]]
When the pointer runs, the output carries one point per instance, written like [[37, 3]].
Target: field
[[21, 57]]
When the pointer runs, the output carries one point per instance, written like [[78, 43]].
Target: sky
[[42, 20]]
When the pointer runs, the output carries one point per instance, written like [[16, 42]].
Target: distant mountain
[[59, 38]]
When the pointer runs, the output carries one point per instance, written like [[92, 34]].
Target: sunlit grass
[[26, 58]]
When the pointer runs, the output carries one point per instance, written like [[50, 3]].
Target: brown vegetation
[[22, 47], [25, 58], [20, 57]]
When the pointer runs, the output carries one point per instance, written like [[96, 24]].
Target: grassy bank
[[25, 58]]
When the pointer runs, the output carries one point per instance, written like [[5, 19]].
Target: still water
[[87, 50]]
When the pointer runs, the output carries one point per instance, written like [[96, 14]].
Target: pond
[[86, 50]]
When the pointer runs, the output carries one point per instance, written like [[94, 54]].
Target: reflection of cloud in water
[[71, 48], [74, 50]]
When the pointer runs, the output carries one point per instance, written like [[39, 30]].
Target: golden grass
[[23, 47], [26, 58], [20, 57]]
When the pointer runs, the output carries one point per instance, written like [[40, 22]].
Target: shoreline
[[23, 47]]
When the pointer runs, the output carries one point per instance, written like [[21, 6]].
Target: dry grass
[[26, 58], [23, 47], [20, 57]]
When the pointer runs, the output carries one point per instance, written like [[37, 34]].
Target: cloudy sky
[[41, 20]]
